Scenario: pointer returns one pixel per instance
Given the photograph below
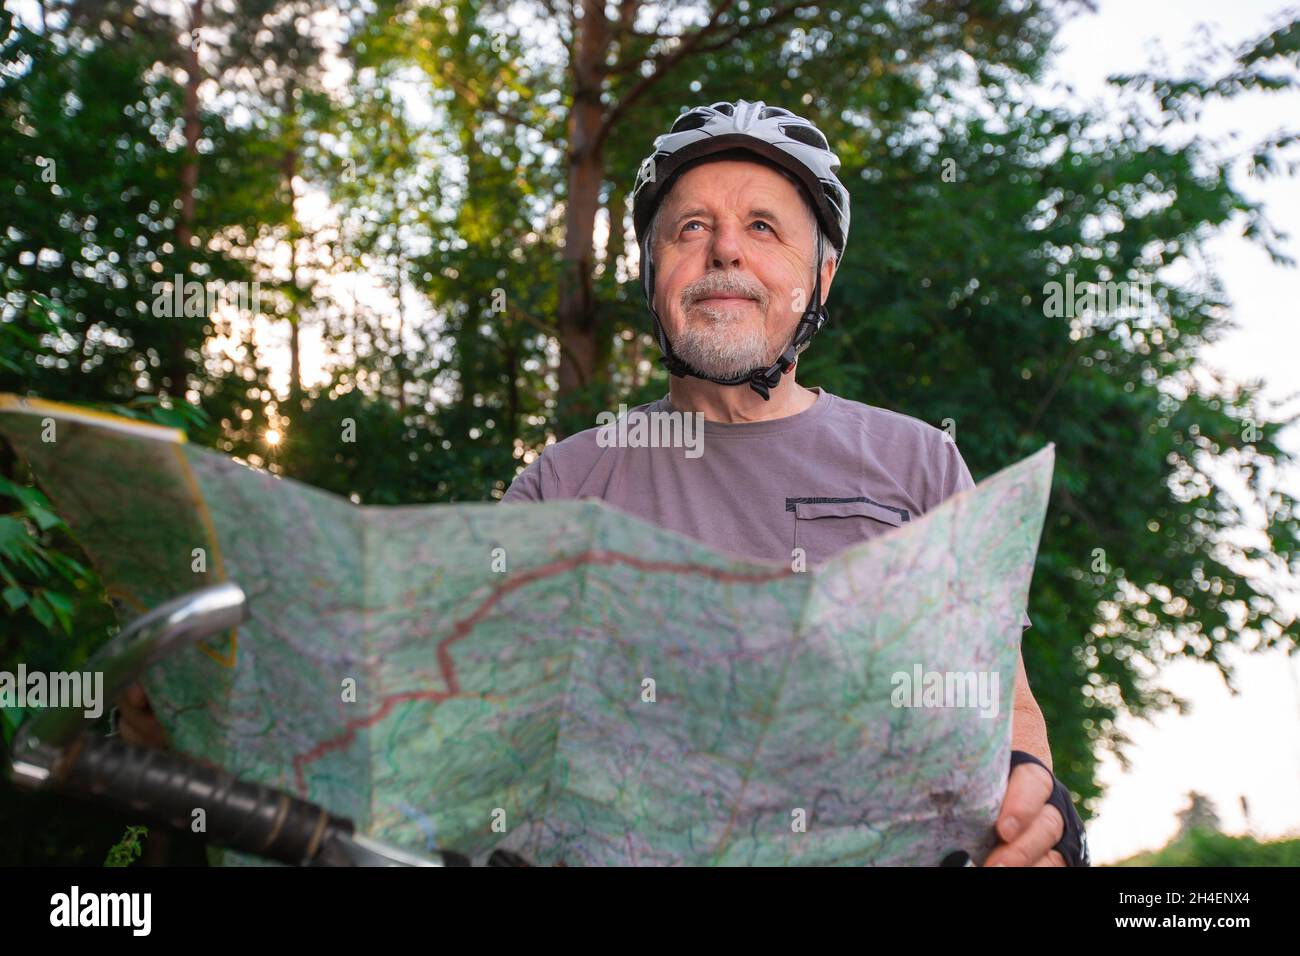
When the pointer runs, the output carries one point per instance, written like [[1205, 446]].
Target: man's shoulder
[[589, 443], [885, 424], [562, 463]]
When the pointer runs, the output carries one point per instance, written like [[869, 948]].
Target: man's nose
[[725, 251]]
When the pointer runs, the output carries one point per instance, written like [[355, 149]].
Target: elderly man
[[738, 211]]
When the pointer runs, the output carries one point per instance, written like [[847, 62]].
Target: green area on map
[[501, 656]]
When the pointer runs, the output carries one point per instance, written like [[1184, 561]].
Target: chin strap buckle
[[764, 380]]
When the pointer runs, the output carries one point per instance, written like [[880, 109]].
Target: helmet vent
[[692, 120], [807, 135]]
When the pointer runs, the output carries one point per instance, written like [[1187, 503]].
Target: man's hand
[[137, 724], [1028, 825]]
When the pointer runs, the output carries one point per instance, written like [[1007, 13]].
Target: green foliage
[[10, 719], [126, 850], [1200, 847], [159, 410], [20, 341], [37, 580]]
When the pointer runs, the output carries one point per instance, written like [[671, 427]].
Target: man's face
[[733, 260]]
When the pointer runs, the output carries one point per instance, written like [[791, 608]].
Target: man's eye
[[693, 222], [762, 222]]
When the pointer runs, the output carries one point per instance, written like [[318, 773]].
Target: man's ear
[[829, 267]]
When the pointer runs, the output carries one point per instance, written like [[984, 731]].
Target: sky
[[1248, 744]]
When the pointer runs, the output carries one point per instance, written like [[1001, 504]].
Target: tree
[[584, 85], [1199, 814]]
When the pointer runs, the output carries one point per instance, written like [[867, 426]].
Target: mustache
[[723, 283]]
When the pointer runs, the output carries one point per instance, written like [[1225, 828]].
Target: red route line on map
[[463, 628]]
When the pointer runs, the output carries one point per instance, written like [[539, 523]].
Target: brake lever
[[178, 623]]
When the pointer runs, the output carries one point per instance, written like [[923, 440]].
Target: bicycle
[[55, 750]]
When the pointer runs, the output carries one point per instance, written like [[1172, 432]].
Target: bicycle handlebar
[[169, 789], [53, 750]]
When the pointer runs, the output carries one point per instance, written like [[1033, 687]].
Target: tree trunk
[[616, 248], [290, 170], [399, 354], [176, 364], [576, 321], [512, 383]]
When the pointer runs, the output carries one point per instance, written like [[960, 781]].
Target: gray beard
[[721, 350]]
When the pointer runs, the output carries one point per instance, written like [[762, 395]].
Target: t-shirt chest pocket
[[823, 527]]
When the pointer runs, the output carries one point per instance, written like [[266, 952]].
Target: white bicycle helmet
[[775, 136]]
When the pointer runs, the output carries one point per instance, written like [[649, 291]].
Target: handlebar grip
[[168, 787]]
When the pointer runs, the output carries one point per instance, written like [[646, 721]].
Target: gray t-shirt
[[837, 473]]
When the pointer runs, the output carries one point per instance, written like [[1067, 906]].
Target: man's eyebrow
[[758, 213], [687, 213]]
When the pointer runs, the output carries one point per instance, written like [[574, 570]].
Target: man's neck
[[739, 403]]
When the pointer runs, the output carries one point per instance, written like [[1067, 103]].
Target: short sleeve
[[954, 476], [533, 482]]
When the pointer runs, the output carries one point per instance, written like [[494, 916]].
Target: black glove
[[1074, 842]]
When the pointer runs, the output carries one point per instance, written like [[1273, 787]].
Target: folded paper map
[[562, 679]]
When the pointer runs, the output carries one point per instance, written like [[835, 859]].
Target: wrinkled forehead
[[689, 185]]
